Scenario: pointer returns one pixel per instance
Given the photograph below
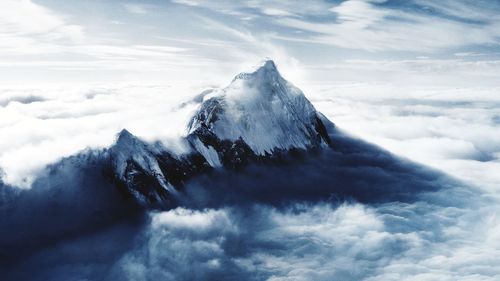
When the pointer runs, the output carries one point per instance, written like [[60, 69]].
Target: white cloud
[[276, 12], [364, 26], [42, 26], [449, 128], [14, 15], [358, 14], [187, 2], [186, 219], [393, 241], [139, 9], [49, 47], [269, 8], [69, 118]]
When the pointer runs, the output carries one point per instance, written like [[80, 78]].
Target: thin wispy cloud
[[365, 25], [135, 8], [57, 40], [422, 26], [43, 22]]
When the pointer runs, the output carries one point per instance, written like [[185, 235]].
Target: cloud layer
[[46, 124], [452, 129], [299, 221], [301, 242]]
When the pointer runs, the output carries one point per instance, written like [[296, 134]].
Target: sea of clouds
[[453, 236], [452, 129], [46, 123], [320, 241]]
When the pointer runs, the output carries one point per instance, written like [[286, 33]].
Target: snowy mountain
[[149, 172], [259, 121], [259, 117], [257, 141], [264, 111]]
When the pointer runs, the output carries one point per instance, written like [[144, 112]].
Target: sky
[[419, 78], [160, 40]]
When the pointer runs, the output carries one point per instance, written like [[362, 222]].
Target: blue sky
[[160, 40]]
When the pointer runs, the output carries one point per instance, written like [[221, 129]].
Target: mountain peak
[[267, 70], [268, 65], [263, 110], [125, 137], [131, 157], [124, 133]]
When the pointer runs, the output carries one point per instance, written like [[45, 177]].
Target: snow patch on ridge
[[208, 153]]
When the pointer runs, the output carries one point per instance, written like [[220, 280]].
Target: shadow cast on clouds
[[232, 223]]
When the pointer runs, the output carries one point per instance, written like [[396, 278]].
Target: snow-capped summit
[[264, 111], [259, 116], [128, 147], [266, 69], [136, 164]]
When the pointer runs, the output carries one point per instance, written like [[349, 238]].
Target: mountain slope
[[262, 120], [259, 117], [264, 111], [149, 172]]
